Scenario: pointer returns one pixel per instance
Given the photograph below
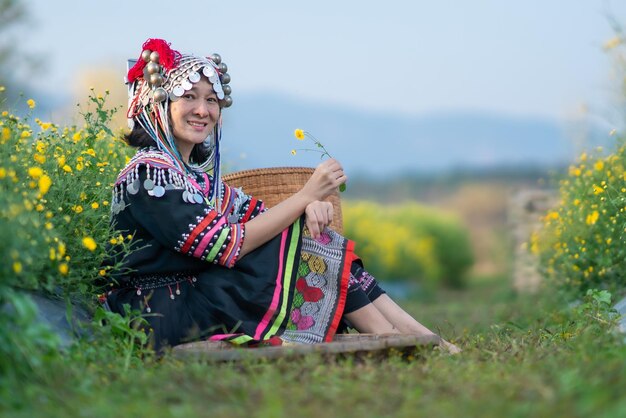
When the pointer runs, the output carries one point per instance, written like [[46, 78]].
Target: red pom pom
[[168, 57]]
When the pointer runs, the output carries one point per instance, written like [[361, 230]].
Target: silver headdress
[[162, 75]]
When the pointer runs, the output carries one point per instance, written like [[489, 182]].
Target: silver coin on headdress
[[194, 77], [186, 84], [208, 71], [178, 91]]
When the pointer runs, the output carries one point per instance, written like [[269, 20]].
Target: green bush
[[409, 242], [55, 192], [581, 244]]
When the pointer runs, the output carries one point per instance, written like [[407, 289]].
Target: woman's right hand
[[327, 176]]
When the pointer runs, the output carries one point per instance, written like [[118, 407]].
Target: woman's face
[[194, 116]]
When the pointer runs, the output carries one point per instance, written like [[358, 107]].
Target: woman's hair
[[139, 138]]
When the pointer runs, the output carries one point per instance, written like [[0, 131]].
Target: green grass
[[523, 356]]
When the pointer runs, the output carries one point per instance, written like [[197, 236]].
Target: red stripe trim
[[252, 206], [343, 291], [232, 246], [197, 230]]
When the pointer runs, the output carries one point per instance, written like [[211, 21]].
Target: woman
[[208, 260]]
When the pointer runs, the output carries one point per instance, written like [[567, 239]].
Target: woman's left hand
[[319, 215]]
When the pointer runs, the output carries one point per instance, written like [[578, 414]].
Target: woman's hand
[[325, 179], [318, 216]]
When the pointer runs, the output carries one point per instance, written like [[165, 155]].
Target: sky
[[526, 58]]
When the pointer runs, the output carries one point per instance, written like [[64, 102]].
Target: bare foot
[[449, 347]]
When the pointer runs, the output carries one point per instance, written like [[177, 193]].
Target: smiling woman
[[194, 116], [209, 261]]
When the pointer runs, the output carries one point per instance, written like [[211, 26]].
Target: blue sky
[[528, 58]]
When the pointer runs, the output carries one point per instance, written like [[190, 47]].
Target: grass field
[[524, 356]]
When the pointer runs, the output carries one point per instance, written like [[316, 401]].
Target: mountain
[[258, 132]]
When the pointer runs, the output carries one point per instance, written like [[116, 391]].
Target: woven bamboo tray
[[273, 185], [344, 345]]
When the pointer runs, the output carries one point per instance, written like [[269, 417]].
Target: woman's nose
[[202, 108]]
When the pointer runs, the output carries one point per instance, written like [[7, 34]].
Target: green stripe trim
[[291, 255], [242, 339], [218, 244]]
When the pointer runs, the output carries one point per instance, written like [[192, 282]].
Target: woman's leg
[[397, 316], [370, 320], [405, 323]]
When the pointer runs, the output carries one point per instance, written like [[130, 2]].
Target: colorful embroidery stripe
[[343, 291], [231, 338], [218, 244], [270, 312], [208, 236], [251, 209], [227, 200], [291, 256], [236, 240], [152, 161], [197, 230]]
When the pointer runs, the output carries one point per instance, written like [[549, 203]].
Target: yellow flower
[[77, 209], [553, 215], [592, 218], [299, 134], [25, 134], [44, 184], [583, 156], [599, 165], [67, 168], [612, 43], [113, 241], [79, 166], [63, 268], [6, 134], [53, 254], [91, 152], [61, 160], [76, 137], [17, 267], [95, 205], [574, 171], [45, 125], [3, 172], [89, 243], [61, 249], [293, 152], [597, 189], [31, 103], [35, 172], [39, 158]]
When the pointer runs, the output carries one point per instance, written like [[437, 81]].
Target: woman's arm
[[325, 179]]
